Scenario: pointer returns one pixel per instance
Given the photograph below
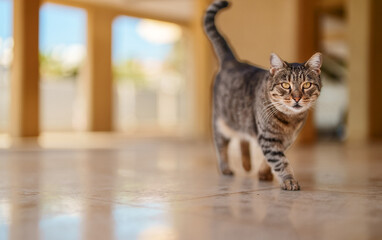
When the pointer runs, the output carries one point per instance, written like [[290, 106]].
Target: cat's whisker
[[270, 111], [267, 112]]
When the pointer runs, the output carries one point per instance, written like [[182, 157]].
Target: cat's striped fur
[[268, 106]]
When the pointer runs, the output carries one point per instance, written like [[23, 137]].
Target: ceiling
[[179, 10]]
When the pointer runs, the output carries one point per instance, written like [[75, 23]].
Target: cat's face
[[294, 88]]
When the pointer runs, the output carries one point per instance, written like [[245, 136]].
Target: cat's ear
[[276, 63], [315, 62]]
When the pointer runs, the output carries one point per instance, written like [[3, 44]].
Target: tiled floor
[[167, 189]]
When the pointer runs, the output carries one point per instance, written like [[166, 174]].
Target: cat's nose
[[297, 98]]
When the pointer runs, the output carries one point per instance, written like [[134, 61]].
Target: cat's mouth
[[297, 106]]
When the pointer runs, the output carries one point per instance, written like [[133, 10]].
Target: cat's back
[[239, 78]]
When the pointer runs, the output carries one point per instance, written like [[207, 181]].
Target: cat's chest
[[291, 134], [286, 131]]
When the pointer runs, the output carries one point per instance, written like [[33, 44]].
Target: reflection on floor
[[166, 189]]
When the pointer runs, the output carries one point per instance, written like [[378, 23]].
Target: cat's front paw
[[290, 185]]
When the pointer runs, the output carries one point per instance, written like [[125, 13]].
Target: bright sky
[[62, 25], [5, 19], [127, 42]]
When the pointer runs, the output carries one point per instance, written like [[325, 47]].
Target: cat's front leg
[[273, 150]]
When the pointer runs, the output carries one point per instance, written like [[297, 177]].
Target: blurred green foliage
[[53, 69], [129, 70]]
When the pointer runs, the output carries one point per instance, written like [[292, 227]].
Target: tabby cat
[[268, 106]]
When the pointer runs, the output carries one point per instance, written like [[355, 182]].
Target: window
[[6, 55], [149, 75], [62, 52]]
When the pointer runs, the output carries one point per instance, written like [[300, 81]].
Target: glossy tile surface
[[168, 189]]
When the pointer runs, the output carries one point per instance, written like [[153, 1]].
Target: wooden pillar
[[203, 73], [98, 69], [365, 111], [359, 22], [375, 50], [24, 113], [307, 45], [365, 81]]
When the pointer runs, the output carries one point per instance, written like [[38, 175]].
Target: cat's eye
[[307, 85], [285, 85]]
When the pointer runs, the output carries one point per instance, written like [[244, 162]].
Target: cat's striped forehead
[[294, 72], [295, 68]]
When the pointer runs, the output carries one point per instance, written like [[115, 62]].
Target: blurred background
[[105, 121], [144, 68]]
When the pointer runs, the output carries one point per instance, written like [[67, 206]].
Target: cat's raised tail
[[222, 49]]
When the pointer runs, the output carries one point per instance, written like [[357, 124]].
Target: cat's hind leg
[[245, 155], [265, 172], [221, 145]]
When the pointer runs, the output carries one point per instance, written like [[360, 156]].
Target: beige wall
[[255, 28]]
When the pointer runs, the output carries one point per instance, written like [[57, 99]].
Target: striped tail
[[222, 49]]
